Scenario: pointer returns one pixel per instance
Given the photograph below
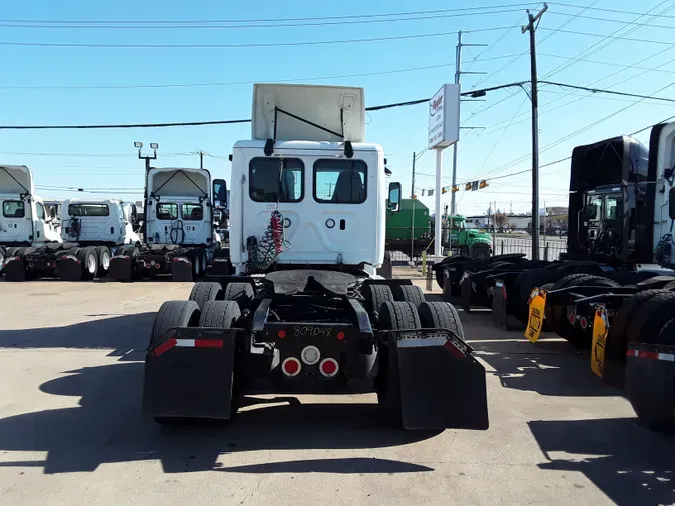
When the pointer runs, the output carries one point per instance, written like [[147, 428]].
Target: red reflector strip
[[208, 343], [454, 351], [164, 347], [652, 355]]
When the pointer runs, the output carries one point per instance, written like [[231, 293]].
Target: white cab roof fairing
[[338, 109], [16, 179], [336, 148], [67, 202], [179, 182]]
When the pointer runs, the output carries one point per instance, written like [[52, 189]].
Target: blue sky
[[67, 85]]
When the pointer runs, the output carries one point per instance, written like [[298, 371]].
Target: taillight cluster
[[310, 355]]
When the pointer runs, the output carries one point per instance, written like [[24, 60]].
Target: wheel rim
[[105, 260], [91, 264]]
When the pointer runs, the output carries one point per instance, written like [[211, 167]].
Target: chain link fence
[[407, 245]]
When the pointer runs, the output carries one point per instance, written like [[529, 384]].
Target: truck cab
[[107, 221], [318, 202], [23, 219], [179, 207]]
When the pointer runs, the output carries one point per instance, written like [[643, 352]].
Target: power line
[[245, 45], [597, 90], [274, 20], [224, 122], [235, 83], [633, 23], [615, 11], [627, 39], [209, 25]]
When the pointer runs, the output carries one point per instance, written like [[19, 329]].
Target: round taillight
[[291, 366], [573, 319], [328, 367], [281, 334], [584, 323], [310, 355], [340, 336]]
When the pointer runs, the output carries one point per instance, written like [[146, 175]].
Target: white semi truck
[[306, 311], [179, 230], [90, 231], [23, 221]]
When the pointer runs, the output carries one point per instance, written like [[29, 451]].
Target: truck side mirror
[[671, 203], [394, 200], [219, 193]]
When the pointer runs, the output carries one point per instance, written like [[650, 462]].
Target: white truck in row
[[36, 242], [182, 214]]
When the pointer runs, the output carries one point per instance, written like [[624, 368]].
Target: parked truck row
[[614, 290], [79, 239]]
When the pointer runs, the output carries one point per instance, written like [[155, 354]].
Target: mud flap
[[466, 292], [220, 267], [15, 269], [121, 268], [181, 269], [189, 374], [650, 384], [70, 268], [442, 385]]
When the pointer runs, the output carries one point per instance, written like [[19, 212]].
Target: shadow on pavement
[[549, 367], [629, 464], [338, 466], [108, 427], [121, 333]]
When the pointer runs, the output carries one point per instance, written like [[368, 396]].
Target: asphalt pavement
[[71, 431]]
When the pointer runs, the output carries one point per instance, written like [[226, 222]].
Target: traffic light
[[467, 187], [483, 184], [455, 188]]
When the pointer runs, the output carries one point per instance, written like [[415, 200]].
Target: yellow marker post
[[535, 321], [600, 331]]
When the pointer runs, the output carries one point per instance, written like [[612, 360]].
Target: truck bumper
[[442, 385], [189, 373]]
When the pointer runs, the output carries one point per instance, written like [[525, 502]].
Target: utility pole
[[412, 224], [535, 129], [412, 191], [458, 74], [201, 159]]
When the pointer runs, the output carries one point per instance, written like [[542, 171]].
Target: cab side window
[[13, 209], [40, 211], [276, 180]]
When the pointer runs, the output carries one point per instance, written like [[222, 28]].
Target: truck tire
[[650, 318], [393, 316], [655, 282], [440, 315], [17, 273], [410, 293], [375, 296], [558, 313], [241, 293], [103, 255], [2, 259], [174, 313], [480, 252], [220, 314], [89, 262], [670, 286], [617, 338], [206, 292]]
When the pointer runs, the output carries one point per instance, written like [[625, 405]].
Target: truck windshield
[[13, 209], [340, 181], [88, 210], [276, 179]]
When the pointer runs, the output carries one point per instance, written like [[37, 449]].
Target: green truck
[[411, 231]]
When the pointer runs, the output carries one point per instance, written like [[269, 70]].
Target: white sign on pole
[[444, 117]]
